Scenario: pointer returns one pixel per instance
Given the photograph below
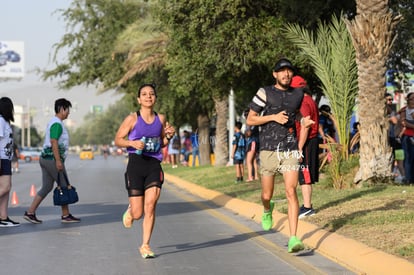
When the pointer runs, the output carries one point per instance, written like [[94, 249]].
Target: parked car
[[29, 154], [86, 153], [12, 56]]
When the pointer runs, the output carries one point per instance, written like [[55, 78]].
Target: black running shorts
[[143, 172]]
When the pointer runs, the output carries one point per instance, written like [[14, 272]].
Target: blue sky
[[38, 24]]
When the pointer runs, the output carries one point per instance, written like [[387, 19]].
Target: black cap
[[283, 63]]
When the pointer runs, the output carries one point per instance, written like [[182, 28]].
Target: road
[[191, 235]]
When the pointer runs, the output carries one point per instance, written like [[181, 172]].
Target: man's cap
[[408, 95], [298, 82], [283, 63]]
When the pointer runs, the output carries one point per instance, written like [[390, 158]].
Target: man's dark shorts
[[5, 167]]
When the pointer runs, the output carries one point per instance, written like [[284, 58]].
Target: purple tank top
[[152, 134]]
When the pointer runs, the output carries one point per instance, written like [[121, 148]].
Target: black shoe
[[8, 223], [69, 219], [306, 212], [31, 218]]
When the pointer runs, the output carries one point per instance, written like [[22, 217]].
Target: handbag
[[63, 195]]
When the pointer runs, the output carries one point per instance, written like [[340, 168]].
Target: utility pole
[[23, 126], [28, 124], [231, 123]]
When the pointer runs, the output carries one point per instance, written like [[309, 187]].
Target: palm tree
[[331, 54], [372, 35], [146, 46], [221, 150]]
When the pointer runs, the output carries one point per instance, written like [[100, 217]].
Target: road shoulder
[[349, 253]]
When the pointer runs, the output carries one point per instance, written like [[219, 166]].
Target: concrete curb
[[349, 253]]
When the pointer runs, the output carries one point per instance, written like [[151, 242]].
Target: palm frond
[[145, 45], [331, 53]]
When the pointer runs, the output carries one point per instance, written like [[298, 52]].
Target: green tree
[[145, 44], [92, 29], [213, 46], [309, 14], [402, 52]]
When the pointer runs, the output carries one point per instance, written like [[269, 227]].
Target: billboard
[[11, 59]]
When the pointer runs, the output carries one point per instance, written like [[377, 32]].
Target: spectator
[[407, 122], [165, 155], [239, 151], [174, 150], [326, 124], [52, 161], [355, 130], [394, 141], [185, 147], [6, 155], [105, 151], [15, 159], [251, 153], [195, 148], [308, 145]]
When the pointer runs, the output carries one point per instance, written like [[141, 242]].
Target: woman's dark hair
[[239, 125], [246, 112], [325, 108], [62, 103], [6, 109], [152, 85]]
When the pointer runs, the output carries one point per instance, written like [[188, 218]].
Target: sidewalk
[[346, 252]]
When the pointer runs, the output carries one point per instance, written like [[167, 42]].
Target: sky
[[39, 26]]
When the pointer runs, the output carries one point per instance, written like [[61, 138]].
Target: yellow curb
[[353, 255]]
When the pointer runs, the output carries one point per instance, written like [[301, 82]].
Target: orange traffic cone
[[33, 191], [15, 199]]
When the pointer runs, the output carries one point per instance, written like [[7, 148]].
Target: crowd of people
[[181, 148]]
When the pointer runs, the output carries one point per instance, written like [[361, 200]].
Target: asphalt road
[[191, 235]]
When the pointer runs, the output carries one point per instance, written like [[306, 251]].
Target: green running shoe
[[146, 252], [127, 218], [295, 245], [267, 219]]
